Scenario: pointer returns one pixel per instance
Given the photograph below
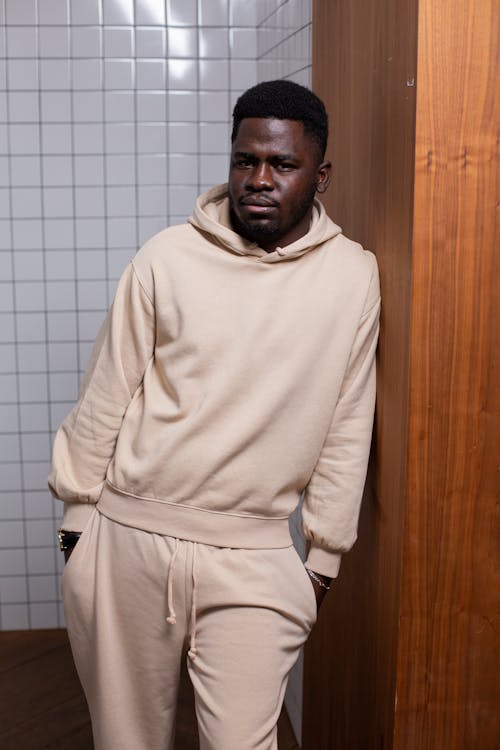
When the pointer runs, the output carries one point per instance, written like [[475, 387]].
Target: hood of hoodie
[[211, 216]]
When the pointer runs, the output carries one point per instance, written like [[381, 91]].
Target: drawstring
[[192, 645], [171, 619]]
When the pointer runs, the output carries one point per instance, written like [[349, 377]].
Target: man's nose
[[261, 178]]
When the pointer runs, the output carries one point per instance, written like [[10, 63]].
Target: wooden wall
[[413, 613], [364, 67], [447, 685]]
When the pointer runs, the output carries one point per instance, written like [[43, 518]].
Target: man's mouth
[[255, 202]]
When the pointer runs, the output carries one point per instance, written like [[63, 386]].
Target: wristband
[[318, 580]]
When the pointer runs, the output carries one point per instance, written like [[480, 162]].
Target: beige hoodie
[[226, 380]]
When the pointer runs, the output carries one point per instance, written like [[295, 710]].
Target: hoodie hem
[[215, 528]]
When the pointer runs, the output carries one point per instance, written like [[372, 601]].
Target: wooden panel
[[448, 687], [364, 68]]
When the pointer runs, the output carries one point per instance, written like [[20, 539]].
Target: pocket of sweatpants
[[307, 587], [79, 548]]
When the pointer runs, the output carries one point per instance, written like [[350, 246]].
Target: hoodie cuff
[[324, 562], [76, 515]]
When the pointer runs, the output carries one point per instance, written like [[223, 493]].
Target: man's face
[[274, 174]]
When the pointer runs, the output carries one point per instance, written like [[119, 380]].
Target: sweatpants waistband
[[215, 528]]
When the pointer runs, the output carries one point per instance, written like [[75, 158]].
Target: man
[[234, 371]]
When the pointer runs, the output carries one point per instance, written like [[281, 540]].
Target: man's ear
[[323, 176]]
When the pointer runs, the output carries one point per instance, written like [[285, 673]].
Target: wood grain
[[364, 59], [448, 687], [406, 652]]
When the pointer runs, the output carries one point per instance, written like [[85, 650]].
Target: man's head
[[284, 100], [280, 130]]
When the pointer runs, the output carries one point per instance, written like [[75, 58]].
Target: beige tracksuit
[[225, 382]]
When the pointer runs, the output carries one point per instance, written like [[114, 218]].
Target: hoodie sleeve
[[333, 495], [85, 442]]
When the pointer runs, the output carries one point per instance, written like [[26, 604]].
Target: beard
[[271, 230]]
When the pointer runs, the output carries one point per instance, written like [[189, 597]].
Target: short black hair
[[284, 100]]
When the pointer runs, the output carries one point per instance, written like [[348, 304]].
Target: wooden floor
[[42, 705]]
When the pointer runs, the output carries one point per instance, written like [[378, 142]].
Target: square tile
[[23, 106], [89, 201], [152, 200], [150, 74], [32, 357], [117, 12], [182, 42], [34, 417], [213, 13], [88, 106], [33, 386], [119, 74], [53, 12], [151, 138], [58, 202], [150, 42], [243, 43], [30, 328], [22, 75], [120, 169], [182, 200], [119, 106], [44, 615], [62, 325], [85, 13], [86, 41], [62, 356], [28, 266], [182, 74], [41, 560], [88, 138], [9, 417], [25, 171], [120, 138], [89, 170], [15, 616], [21, 41], [56, 139], [89, 323], [92, 295], [56, 106], [36, 446], [90, 233], [57, 171], [21, 14], [183, 169], [182, 13], [63, 385], [55, 74], [59, 265], [30, 296], [87, 74], [182, 106], [91, 264], [121, 232], [214, 138], [151, 106], [149, 13], [61, 295], [13, 589], [214, 106], [152, 169], [53, 41], [183, 138], [213, 42], [26, 203], [118, 42], [120, 201], [214, 74], [59, 234]]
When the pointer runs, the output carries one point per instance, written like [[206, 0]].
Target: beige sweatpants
[[137, 603]]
